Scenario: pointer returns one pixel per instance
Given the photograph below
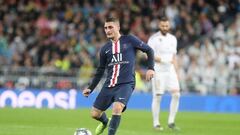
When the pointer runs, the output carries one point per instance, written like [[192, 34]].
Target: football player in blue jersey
[[118, 56]]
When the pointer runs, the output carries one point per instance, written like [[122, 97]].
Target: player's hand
[[86, 92], [157, 59], [149, 74]]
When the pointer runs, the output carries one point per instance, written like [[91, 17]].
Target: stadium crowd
[[66, 35]]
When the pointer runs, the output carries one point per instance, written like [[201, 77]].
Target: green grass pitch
[[134, 122]]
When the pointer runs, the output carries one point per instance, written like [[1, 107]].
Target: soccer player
[[118, 57], [164, 45]]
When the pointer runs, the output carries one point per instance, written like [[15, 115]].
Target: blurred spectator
[[65, 37], [22, 83]]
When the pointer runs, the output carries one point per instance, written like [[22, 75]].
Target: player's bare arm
[[157, 59]]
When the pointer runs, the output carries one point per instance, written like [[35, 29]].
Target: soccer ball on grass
[[82, 131]]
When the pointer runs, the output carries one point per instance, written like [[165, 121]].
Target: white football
[[82, 131]]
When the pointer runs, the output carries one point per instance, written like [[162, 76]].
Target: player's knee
[[95, 114], [157, 97], [117, 108], [176, 95]]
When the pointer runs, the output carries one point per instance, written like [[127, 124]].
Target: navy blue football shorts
[[119, 93]]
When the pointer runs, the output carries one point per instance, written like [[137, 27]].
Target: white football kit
[[165, 77]]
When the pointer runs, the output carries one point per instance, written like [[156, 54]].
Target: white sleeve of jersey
[[175, 44], [151, 43]]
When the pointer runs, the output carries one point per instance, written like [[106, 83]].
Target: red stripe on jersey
[[115, 74], [116, 68]]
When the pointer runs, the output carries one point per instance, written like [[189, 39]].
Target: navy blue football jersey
[[119, 59]]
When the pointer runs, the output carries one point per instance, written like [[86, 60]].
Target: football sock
[[103, 118], [114, 123], [173, 107], [156, 109]]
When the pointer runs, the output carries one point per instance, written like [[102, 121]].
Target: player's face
[[111, 29], [164, 27]]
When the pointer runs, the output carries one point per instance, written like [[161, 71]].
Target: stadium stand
[[51, 44]]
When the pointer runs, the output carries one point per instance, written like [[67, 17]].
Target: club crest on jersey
[[116, 57]]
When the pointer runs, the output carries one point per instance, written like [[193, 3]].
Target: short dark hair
[[163, 18], [112, 19]]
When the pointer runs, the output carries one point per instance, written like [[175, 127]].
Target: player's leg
[[102, 117], [116, 117], [102, 102], [99, 115], [173, 109], [156, 111], [157, 91], [174, 88], [122, 95]]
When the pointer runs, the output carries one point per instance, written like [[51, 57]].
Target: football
[[82, 131]]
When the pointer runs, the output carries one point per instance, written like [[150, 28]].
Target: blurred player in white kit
[[164, 45]]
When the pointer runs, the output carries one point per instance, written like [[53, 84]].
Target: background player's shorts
[[107, 96], [166, 80]]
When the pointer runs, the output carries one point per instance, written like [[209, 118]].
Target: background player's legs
[[156, 109], [158, 90], [173, 86], [99, 115], [116, 117], [173, 106]]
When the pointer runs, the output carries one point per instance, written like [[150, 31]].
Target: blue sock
[[114, 123], [103, 118]]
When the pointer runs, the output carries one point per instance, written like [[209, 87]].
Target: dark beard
[[164, 33]]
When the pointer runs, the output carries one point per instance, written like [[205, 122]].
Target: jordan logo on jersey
[[117, 57]]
